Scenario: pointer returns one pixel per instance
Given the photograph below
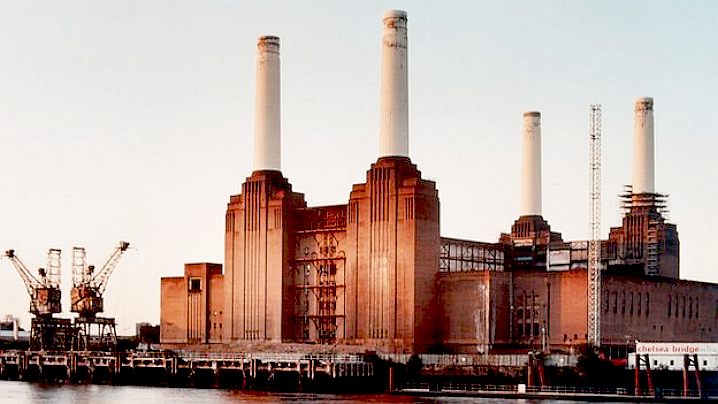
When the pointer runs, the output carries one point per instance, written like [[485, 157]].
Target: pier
[[284, 371]]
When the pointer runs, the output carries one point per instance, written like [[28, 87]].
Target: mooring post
[[529, 372], [391, 378], [637, 377], [686, 365]]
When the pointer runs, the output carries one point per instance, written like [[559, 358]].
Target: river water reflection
[[21, 392]]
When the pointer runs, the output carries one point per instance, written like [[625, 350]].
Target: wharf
[[247, 370]]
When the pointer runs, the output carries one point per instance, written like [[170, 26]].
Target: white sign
[[676, 348], [523, 242], [559, 257]]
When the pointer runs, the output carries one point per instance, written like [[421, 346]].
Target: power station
[[376, 273]]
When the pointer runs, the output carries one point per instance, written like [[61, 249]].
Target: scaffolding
[[317, 288], [594, 243]]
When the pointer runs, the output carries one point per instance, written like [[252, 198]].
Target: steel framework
[[469, 256], [594, 244], [46, 332], [86, 296], [318, 287]]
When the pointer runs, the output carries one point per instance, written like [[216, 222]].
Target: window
[[684, 307], [670, 302], [623, 302], [690, 307], [607, 303], [195, 284], [615, 303], [639, 303], [648, 304], [631, 311]]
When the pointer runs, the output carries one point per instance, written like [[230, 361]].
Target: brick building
[[375, 271]]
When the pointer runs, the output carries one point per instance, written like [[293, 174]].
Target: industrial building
[[375, 272]]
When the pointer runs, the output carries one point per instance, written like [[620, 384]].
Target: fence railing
[[549, 390]]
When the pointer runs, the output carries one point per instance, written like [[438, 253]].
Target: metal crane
[[47, 332], [88, 286], [44, 291]]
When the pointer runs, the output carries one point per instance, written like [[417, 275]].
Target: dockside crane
[[47, 332], [86, 299]]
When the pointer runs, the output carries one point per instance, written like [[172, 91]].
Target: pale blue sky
[[133, 119]]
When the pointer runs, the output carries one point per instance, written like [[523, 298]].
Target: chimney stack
[[394, 131], [531, 165], [267, 117], [643, 147]]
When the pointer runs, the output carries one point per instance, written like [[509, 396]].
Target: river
[[22, 392]]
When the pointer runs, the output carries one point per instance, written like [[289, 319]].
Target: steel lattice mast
[[594, 244]]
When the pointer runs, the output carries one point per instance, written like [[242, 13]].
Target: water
[[21, 392]]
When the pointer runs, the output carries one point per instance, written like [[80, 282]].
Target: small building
[[191, 306]]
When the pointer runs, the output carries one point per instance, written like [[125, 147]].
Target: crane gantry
[[86, 299], [47, 332]]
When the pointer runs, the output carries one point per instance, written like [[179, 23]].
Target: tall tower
[[645, 244], [530, 233], [594, 243], [531, 165], [392, 223], [259, 221]]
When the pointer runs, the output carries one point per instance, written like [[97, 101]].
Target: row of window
[[631, 303], [677, 306], [639, 304]]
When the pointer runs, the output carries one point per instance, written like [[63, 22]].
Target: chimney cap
[[644, 103], [532, 113], [394, 14], [268, 39]]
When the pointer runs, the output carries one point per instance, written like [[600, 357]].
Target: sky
[[133, 120]]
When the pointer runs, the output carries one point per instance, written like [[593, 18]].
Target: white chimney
[[531, 165], [643, 147], [267, 122], [394, 131]]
